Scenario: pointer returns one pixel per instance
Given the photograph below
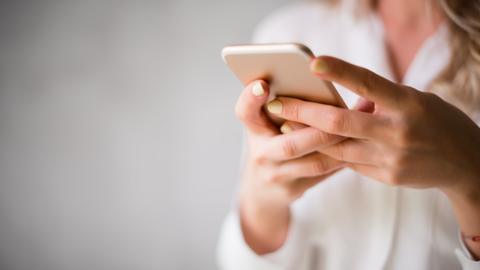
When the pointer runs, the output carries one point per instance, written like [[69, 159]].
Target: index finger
[[359, 80], [330, 119], [298, 143]]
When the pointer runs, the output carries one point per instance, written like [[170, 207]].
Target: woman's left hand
[[400, 136], [406, 137]]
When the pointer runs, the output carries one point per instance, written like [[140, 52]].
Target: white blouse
[[350, 221]]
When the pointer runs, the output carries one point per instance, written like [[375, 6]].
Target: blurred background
[[119, 148]]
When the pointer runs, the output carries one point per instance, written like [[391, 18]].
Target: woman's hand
[[409, 139], [279, 168]]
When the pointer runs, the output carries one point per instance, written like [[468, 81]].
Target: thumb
[[249, 109]]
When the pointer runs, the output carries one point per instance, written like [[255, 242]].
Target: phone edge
[[265, 47]]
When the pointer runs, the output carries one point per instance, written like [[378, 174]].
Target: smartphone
[[286, 67]]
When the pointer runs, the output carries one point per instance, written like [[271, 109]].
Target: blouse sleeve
[[234, 253], [465, 257]]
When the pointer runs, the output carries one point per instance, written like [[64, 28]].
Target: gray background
[[118, 144]]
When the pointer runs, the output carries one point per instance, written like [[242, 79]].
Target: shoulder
[[289, 23]]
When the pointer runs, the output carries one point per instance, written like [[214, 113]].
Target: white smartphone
[[286, 67]]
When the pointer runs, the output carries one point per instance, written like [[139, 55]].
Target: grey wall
[[118, 144]]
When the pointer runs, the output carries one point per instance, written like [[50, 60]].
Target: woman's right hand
[[279, 168]]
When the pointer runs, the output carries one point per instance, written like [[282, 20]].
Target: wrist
[[465, 201], [264, 226], [464, 180], [464, 184], [466, 192], [261, 213]]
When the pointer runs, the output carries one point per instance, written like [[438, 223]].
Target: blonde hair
[[459, 82]]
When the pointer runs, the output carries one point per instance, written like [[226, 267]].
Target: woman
[[392, 184]]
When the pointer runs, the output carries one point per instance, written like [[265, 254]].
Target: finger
[[331, 119], [352, 151], [299, 186], [359, 80], [289, 126], [313, 165], [249, 109], [370, 171], [299, 143]]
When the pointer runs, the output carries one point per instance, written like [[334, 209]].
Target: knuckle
[[318, 167], [430, 98], [289, 148], [291, 110], [340, 151], [367, 81], [338, 122], [319, 137], [418, 101]]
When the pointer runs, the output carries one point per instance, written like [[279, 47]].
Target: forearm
[[264, 225]]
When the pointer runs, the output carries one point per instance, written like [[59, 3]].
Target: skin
[[409, 18], [396, 134]]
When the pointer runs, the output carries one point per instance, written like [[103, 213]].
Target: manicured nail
[[257, 89], [319, 66], [285, 128], [275, 107]]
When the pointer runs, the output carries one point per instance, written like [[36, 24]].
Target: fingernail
[[319, 66], [257, 89], [285, 128], [275, 107]]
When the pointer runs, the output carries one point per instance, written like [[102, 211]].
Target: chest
[[402, 46]]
